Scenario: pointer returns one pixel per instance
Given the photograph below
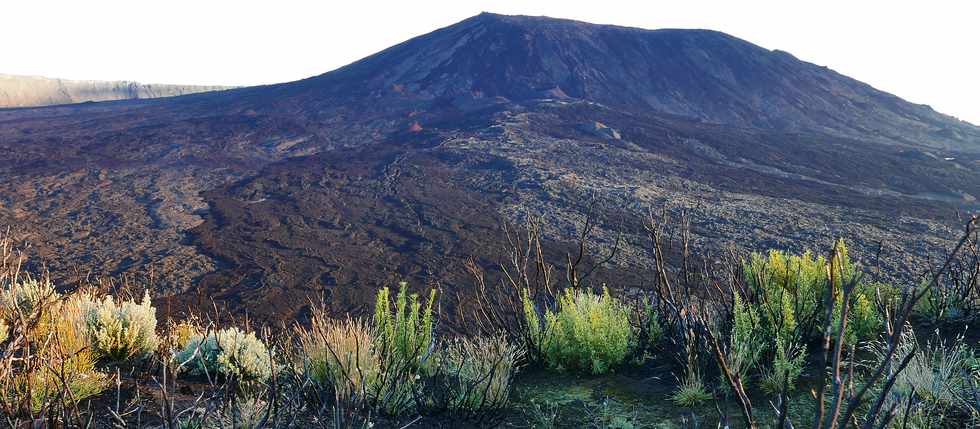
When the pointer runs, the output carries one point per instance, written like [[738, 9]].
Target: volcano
[[405, 164]]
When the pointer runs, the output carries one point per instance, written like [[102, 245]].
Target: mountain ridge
[[36, 91]]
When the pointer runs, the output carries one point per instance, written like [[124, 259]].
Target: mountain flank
[[406, 164]]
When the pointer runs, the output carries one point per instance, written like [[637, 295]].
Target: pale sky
[[924, 51]]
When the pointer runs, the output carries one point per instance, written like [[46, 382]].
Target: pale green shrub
[[54, 364], [788, 289], [247, 412], [793, 286], [691, 391], [476, 374], [340, 355], [589, 332], [937, 381], [122, 331], [230, 353], [3, 330], [26, 296]]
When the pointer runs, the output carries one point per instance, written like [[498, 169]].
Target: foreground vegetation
[[807, 335]]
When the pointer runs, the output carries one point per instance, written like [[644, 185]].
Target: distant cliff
[[25, 91]]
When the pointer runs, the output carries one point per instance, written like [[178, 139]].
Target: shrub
[[691, 391], [3, 331], [404, 341], [53, 363], [589, 332], [27, 296], [340, 356], [935, 389], [230, 353], [746, 343], [245, 413], [651, 329], [403, 330], [475, 374], [122, 331], [785, 369]]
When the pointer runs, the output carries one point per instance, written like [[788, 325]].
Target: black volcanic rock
[[700, 74], [402, 165]]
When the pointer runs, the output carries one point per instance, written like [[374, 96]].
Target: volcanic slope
[[404, 164]]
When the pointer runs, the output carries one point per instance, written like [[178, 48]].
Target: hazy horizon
[[917, 52]]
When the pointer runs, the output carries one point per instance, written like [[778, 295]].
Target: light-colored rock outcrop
[[27, 91]]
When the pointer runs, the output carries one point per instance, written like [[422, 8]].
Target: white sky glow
[[924, 51]]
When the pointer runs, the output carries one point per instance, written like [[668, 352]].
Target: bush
[[589, 332], [746, 343], [3, 331], [403, 330], [936, 389], [475, 374], [691, 391], [787, 365], [122, 331], [229, 353], [27, 296], [54, 364], [340, 356]]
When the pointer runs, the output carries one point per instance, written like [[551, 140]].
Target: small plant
[[230, 353], [51, 365], [691, 391], [403, 329], [541, 416], [589, 332], [784, 370], [651, 328], [178, 333], [746, 344], [122, 331], [936, 389], [475, 375], [609, 415], [28, 295], [249, 412], [3, 331], [340, 355]]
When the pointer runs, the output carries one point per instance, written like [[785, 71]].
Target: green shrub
[[230, 353], [476, 374], [785, 369], [746, 343], [3, 331], [403, 329], [122, 331], [589, 332], [652, 329], [788, 290]]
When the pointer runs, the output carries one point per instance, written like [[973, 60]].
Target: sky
[[924, 51]]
